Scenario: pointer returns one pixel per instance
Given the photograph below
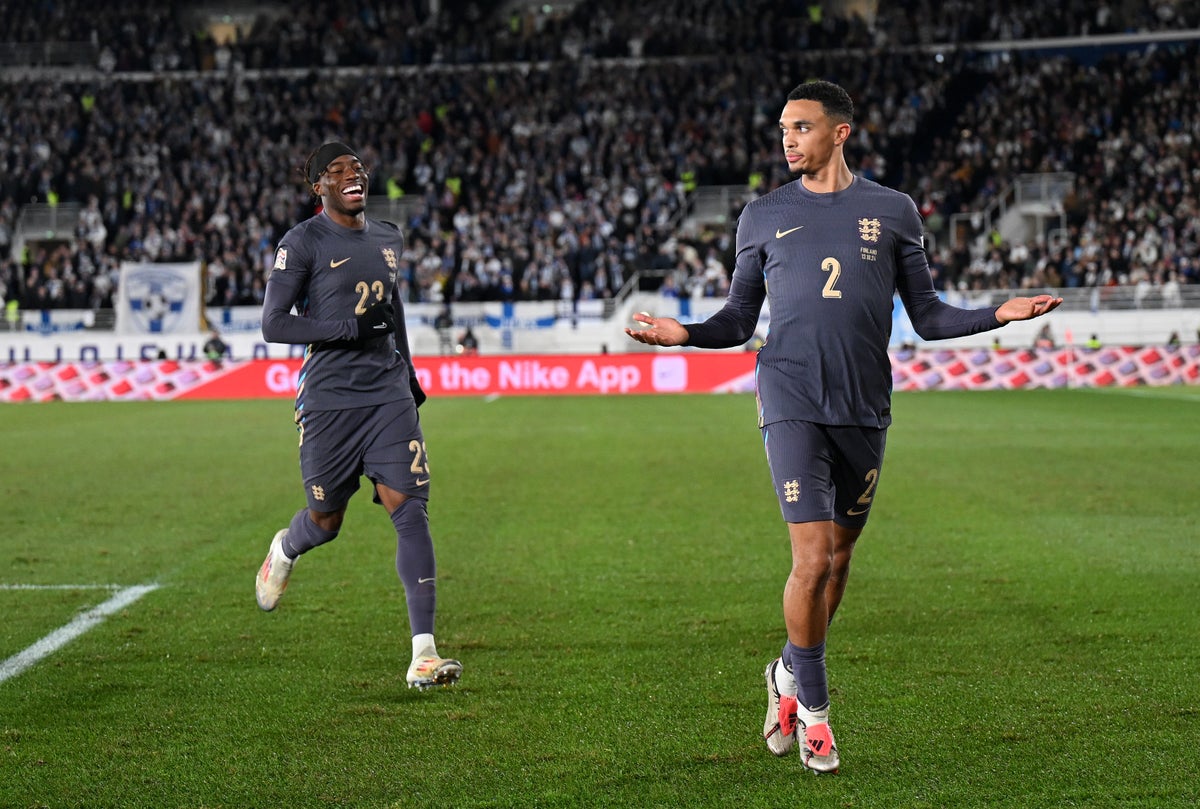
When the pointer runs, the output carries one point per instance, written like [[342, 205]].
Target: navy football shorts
[[822, 472], [383, 442]]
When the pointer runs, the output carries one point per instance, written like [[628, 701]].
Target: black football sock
[[303, 535], [416, 564], [808, 666]]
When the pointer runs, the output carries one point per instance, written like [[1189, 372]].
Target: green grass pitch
[[1020, 630]]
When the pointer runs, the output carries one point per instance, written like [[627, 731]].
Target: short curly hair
[[834, 100]]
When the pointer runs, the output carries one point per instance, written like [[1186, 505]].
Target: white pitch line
[[60, 587], [1171, 392], [65, 634]]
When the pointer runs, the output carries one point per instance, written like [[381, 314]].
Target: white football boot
[[273, 575], [818, 751], [779, 729], [427, 671]]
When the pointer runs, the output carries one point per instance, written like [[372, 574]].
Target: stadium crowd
[[142, 35], [551, 156], [1126, 127]]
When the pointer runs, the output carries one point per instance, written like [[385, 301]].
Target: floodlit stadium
[[1019, 627]]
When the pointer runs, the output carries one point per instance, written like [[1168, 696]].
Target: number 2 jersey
[[331, 274], [828, 266]]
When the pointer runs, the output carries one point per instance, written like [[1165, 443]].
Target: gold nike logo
[[336, 264], [779, 234], [855, 512], [420, 482]]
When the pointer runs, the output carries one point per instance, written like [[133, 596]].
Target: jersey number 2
[[834, 267]]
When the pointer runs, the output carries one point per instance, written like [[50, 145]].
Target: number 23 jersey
[[331, 274]]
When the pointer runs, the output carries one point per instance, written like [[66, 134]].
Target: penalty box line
[[65, 634]]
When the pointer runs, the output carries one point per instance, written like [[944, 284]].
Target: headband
[[324, 156]]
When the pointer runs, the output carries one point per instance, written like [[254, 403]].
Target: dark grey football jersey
[[331, 274], [828, 266]]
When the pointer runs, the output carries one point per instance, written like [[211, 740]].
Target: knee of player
[[327, 520], [411, 510], [813, 573]]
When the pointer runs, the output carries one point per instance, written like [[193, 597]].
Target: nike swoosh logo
[[336, 264], [379, 326], [779, 234], [422, 482], [424, 580], [856, 512]]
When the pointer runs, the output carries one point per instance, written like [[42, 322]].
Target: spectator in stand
[[215, 348], [442, 324], [468, 343]]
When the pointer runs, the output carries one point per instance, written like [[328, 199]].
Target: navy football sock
[[416, 564], [303, 535], [808, 667]]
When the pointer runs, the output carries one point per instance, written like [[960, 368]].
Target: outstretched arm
[[732, 326], [933, 318]]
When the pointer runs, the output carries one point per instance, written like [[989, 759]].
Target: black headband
[[324, 156]]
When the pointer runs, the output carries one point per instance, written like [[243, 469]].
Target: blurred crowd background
[[570, 151]]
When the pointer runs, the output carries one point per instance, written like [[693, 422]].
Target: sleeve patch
[[281, 258]]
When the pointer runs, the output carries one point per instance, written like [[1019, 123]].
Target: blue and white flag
[[159, 299]]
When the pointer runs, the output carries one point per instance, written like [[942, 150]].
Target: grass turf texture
[[1019, 630]]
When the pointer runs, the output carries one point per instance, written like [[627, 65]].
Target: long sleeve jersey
[[330, 274], [828, 266]]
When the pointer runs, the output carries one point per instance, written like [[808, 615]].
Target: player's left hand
[[379, 320], [1026, 308], [414, 385]]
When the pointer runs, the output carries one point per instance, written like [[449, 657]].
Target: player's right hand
[[378, 321], [658, 331]]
